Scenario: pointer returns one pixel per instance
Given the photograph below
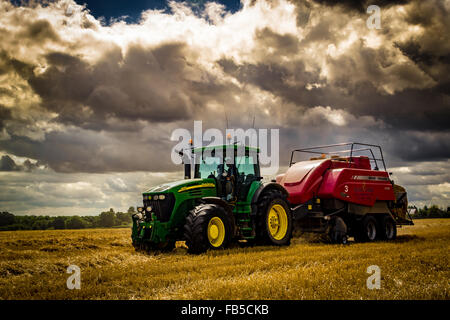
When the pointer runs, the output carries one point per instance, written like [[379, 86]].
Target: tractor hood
[[182, 184]]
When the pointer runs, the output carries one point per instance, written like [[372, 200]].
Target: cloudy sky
[[90, 94]]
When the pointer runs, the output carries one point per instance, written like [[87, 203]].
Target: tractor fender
[[225, 205], [265, 187]]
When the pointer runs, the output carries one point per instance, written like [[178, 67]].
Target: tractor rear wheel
[[388, 228], [367, 230], [207, 227], [274, 224]]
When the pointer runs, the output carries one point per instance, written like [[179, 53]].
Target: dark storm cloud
[[284, 45], [146, 84], [8, 164], [429, 50], [78, 150], [39, 31], [411, 109], [9, 64], [413, 146], [5, 114], [426, 109], [426, 58], [273, 77], [303, 7], [361, 5]]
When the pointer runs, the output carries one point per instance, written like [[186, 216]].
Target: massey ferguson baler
[[343, 193]]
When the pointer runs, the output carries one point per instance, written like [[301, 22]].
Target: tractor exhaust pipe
[[187, 171]]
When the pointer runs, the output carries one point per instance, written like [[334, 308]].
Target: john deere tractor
[[225, 201]]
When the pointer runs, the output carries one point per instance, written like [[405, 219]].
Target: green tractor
[[225, 202]]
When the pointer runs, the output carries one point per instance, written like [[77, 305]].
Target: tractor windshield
[[246, 164], [212, 166], [208, 166]]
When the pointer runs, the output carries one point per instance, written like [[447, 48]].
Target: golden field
[[33, 266]]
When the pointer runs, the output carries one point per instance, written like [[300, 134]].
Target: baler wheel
[[367, 230], [388, 229], [338, 231]]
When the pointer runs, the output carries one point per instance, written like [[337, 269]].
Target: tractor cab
[[234, 168]]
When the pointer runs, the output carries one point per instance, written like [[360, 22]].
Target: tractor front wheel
[[207, 227]]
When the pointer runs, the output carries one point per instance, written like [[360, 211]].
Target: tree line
[[110, 219], [107, 219], [430, 212]]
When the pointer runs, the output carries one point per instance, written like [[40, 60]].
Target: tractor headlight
[[149, 209], [140, 209], [162, 197], [155, 197]]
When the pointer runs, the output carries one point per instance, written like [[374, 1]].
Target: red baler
[[344, 193]]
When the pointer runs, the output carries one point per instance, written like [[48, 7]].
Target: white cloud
[[426, 182]]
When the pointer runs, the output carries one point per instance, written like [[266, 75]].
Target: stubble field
[[33, 265]]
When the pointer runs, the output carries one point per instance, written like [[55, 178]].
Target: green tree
[[75, 222], [123, 217], [107, 219], [59, 223], [40, 224], [6, 219], [434, 212]]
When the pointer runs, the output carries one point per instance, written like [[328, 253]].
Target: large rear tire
[[367, 230], [388, 228], [274, 221], [207, 227]]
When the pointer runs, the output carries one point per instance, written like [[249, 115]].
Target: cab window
[[245, 165]]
